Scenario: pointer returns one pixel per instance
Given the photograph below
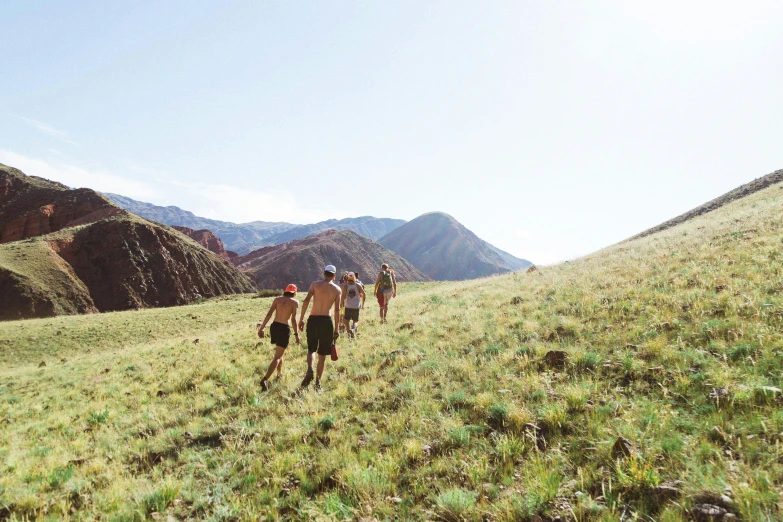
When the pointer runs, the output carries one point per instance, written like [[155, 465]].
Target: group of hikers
[[323, 324]]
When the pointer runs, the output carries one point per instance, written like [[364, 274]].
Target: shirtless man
[[285, 308], [321, 331], [385, 289], [353, 300]]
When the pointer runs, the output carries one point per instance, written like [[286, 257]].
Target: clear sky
[[551, 129]]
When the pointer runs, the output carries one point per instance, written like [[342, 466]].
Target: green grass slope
[[452, 411], [35, 280]]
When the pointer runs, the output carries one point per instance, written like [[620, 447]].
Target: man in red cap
[[285, 308]]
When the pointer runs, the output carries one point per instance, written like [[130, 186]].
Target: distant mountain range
[[240, 238], [245, 237], [442, 248], [301, 261], [69, 251], [435, 243]]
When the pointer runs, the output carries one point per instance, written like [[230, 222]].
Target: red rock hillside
[[301, 261], [32, 206], [209, 241], [114, 261]]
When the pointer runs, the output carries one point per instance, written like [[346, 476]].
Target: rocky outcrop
[[301, 261], [208, 240], [442, 248]]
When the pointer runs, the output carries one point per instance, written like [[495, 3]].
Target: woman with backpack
[[385, 289]]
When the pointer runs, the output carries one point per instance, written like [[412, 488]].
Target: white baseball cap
[[330, 268]]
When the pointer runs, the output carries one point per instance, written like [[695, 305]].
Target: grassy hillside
[[452, 411], [35, 279]]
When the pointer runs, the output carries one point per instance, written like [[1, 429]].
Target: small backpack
[[386, 279]]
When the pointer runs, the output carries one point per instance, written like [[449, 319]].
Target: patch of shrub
[[498, 414], [94, 418], [326, 424], [60, 476], [454, 505]]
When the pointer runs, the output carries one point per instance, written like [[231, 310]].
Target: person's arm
[[362, 294], [337, 300], [293, 322], [394, 284], [266, 319], [305, 305], [342, 301]]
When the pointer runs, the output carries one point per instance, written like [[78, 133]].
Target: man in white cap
[[321, 331], [353, 300]]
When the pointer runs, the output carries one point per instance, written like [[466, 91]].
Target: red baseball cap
[[290, 288]]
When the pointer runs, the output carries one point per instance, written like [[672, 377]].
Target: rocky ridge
[[209, 241]]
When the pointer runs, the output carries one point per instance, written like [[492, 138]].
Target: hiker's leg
[[280, 367], [279, 351], [320, 370], [310, 360]]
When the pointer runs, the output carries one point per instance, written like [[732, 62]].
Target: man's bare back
[[326, 296], [285, 309]]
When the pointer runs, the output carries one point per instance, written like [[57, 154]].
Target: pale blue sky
[[551, 129]]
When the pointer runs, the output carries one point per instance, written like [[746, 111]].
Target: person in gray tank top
[[353, 300]]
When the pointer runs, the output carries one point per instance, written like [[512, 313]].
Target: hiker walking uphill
[[321, 331], [385, 289], [284, 308], [353, 300]]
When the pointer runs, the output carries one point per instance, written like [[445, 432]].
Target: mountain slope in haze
[[738, 193], [367, 226], [245, 237], [302, 261], [442, 248], [73, 251], [241, 238]]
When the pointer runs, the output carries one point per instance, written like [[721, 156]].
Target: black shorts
[[320, 334], [280, 334], [351, 314]]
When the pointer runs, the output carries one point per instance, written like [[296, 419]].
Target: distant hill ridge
[[301, 261], [738, 193], [245, 237], [442, 248], [69, 251], [241, 238]]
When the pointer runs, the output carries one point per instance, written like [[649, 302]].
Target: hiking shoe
[[265, 385], [351, 335], [317, 385], [308, 378]]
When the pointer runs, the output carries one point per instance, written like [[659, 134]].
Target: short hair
[[289, 294], [329, 274]]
